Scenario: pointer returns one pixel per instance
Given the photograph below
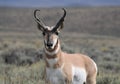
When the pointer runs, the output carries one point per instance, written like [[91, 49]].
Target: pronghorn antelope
[[61, 67]]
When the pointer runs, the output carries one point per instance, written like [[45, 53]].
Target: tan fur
[[81, 61], [61, 67], [77, 60]]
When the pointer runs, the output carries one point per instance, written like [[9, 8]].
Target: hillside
[[98, 21], [91, 31]]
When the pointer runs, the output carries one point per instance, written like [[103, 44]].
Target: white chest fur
[[55, 76], [79, 75]]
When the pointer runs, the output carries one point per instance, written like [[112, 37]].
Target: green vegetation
[[24, 66], [21, 44]]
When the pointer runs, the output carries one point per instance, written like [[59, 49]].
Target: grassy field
[[21, 43]]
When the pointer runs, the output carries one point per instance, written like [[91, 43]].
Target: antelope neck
[[54, 58]]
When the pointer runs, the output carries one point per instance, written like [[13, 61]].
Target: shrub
[[21, 55], [108, 79]]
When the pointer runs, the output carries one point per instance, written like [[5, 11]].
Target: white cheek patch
[[45, 41], [54, 43]]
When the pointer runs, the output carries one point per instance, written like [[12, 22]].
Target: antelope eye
[[56, 33], [43, 33]]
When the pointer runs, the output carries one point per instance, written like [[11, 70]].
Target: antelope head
[[50, 34]]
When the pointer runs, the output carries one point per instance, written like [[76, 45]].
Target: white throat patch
[[51, 62]]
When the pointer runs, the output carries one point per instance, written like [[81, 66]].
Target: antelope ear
[[60, 27]]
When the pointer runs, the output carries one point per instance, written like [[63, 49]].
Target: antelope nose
[[49, 44]]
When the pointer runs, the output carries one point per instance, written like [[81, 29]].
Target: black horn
[[41, 25], [60, 22]]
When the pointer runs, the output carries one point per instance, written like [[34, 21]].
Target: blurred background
[[57, 3], [91, 27]]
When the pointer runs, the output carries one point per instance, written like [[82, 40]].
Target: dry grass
[[106, 56], [21, 43]]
